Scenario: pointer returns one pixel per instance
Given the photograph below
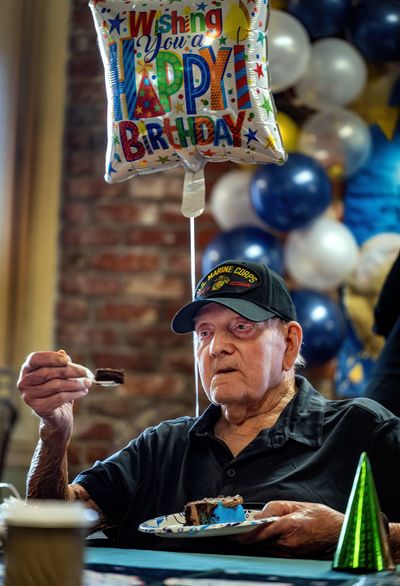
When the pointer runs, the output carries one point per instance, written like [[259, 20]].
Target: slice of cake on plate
[[222, 509]]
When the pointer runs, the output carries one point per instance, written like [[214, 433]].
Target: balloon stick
[[193, 284]]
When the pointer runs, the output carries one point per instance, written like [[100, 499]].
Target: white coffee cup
[[44, 542]]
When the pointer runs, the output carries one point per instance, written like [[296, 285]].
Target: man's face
[[239, 360]]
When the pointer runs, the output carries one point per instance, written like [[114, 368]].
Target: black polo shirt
[[310, 454]]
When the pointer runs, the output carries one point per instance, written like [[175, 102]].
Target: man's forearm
[[48, 473]]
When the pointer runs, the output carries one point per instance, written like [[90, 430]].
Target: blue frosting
[[223, 514]]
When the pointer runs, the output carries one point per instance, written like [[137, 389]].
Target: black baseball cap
[[249, 288]]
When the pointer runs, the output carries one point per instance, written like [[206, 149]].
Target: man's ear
[[294, 336]]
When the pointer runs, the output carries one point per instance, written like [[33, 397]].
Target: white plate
[[174, 526]]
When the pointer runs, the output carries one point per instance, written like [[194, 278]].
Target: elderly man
[[267, 434]]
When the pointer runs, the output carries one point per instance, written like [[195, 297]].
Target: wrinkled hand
[[49, 383], [302, 530]]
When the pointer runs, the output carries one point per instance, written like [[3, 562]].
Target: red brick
[[94, 453], [79, 164], [158, 336], [181, 262], [106, 403], [155, 286], [171, 214], [155, 384], [94, 431], [125, 262], [88, 284], [145, 314], [178, 360], [213, 171], [206, 235], [84, 334], [82, 141], [86, 66], [76, 212], [158, 236], [91, 235], [72, 309], [82, 16], [128, 213], [87, 92], [135, 360], [165, 185], [92, 188], [74, 454], [83, 44]]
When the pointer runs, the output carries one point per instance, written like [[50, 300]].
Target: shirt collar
[[301, 420], [307, 416], [205, 423]]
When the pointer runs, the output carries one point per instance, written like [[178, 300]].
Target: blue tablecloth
[[271, 570], [129, 567]]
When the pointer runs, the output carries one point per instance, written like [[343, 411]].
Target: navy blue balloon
[[290, 196], [244, 243], [321, 18], [323, 323], [375, 29]]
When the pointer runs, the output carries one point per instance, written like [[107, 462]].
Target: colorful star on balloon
[[115, 23], [258, 69]]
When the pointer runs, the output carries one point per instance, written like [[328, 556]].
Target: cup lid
[[47, 513]]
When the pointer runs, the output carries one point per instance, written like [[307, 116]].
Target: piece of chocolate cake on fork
[[115, 375]]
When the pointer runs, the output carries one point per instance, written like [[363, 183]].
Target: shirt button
[[231, 472]]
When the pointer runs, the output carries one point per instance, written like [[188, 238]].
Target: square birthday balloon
[[187, 82]]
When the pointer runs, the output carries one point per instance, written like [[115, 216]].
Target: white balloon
[[289, 50], [322, 255], [377, 255], [336, 74], [230, 202], [338, 139]]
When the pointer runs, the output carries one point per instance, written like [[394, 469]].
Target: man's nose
[[221, 343]]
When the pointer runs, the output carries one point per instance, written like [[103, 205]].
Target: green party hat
[[363, 545]]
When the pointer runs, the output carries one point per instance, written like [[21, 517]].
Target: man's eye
[[203, 333], [243, 327]]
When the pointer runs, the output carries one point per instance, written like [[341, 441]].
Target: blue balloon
[[321, 18], [290, 196], [244, 243], [323, 323], [375, 29], [372, 196]]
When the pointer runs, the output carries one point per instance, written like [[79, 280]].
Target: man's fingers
[[37, 360], [54, 387], [45, 374], [49, 380], [276, 508], [264, 532], [45, 409]]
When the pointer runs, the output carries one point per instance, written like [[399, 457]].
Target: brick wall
[[124, 269]]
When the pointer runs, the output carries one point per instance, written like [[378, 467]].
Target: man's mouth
[[224, 370]]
